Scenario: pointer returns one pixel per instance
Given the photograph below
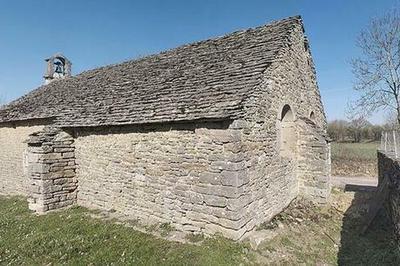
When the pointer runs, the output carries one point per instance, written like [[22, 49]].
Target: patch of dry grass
[[329, 235]]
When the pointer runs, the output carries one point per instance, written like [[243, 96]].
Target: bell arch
[[58, 66]]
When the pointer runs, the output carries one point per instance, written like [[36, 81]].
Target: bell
[[58, 68]]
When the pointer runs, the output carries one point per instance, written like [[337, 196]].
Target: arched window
[[312, 116], [288, 136], [287, 114]]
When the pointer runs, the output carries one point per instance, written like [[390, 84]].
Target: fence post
[[394, 143], [385, 141], [382, 146]]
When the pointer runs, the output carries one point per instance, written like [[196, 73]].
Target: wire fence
[[390, 143]]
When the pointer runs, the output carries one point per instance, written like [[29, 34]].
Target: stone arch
[[288, 134]]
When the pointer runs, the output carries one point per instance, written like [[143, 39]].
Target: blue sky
[[95, 33]]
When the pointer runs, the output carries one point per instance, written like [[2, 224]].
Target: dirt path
[[364, 183]]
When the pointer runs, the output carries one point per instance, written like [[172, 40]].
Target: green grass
[[195, 238], [354, 159], [357, 151], [305, 234], [72, 237]]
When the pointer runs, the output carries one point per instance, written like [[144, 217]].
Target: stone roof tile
[[203, 80]]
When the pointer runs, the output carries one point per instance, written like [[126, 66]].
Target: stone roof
[[203, 80]]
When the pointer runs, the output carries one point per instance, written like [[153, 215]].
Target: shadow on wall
[[154, 127], [377, 246]]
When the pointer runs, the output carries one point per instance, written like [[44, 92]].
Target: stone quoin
[[217, 136]]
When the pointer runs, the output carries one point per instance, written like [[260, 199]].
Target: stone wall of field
[[191, 176], [389, 167], [13, 180]]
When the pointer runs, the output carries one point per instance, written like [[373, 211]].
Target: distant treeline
[[356, 130]]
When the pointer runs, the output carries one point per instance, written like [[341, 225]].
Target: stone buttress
[[50, 168]]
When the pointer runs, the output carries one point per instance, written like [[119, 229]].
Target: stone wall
[[12, 136], [275, 180], [272, 179], [313, 161], [51, 170], [188, 175], [293, 81], [390, 168], [210, 177], [214, 179]]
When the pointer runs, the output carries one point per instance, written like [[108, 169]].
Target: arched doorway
[[288, 136]]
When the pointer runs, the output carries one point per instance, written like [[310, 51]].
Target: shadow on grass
[[377, 246]]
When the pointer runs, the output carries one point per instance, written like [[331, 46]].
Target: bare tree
[[355, 130], [356, 127], [377, 71], [391, 121], [337, 130]]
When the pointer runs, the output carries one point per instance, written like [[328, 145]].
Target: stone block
[[68, 155], [51, 156], [215, 201], [210, 178], [38, 168], [230, 166], [234, 178]]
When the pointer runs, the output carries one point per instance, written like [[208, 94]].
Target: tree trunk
[[398, 119]]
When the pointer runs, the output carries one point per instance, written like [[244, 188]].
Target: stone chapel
[[215, 136]]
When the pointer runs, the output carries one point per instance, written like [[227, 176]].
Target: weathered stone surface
[[12, 174], [158, 175]]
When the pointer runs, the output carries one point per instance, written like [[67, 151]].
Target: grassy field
[[354, 159], [302, 234]]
